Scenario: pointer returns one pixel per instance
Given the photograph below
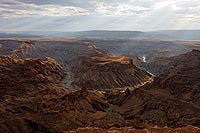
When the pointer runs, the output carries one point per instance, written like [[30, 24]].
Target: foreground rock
[[32, 100], [188, 129]]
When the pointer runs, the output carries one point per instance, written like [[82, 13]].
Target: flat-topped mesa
[[104, 60], [105, 72]]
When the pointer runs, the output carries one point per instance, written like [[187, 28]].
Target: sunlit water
[[144, 59]]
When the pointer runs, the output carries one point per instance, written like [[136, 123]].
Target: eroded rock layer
[[105, 72], [182, 77], [85, 65], [34, 101], [188, 129], [33, 98]]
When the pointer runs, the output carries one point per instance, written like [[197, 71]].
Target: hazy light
[[145, 15]]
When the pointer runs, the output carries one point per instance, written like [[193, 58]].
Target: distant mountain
[[177, 34], [101, 34], [164, 34], [8, 35]]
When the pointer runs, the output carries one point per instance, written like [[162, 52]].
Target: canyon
[[63, 85]]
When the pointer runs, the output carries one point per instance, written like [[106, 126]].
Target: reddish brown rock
[[188, 129], [183, 79], [96, 70], [33, 99]]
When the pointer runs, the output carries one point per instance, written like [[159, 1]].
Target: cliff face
[[159, 108], [104, 72], [85, 65], [183, 77], [17, 72], [25, 87], [165, 65], [170, 98], [33, 100]]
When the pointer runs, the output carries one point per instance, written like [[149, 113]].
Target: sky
[[81, 15]]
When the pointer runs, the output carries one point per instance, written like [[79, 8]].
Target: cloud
[[22, 8], [52, 10], [118, 9], [19, 9], [100, 14], [10, 13]]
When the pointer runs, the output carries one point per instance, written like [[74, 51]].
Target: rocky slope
[[33, 100], [163, 65], [181, 78], [25, 87], [162, 102], [16, 72], [104, 72], [85, 65], [188, 129]]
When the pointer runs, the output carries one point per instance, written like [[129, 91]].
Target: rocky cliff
[[96, 70], [163, 65], [85, 65], [188, 129], [182, 77], [33, 100]]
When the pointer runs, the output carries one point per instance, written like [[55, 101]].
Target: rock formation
[[85, 65], [105, 72], [181, 78], [33, 98], [188, 129]]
